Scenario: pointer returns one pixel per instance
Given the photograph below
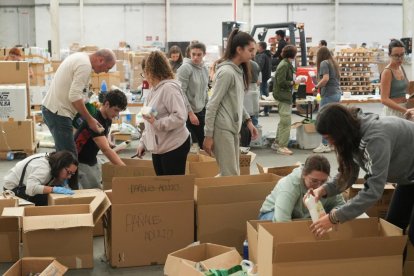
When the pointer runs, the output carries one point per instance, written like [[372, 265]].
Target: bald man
[[65, 96]]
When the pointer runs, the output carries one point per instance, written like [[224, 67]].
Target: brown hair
[[175, 50], [316, 162], [289, 51], [236, 39], [158, 67], [14, 53], [324, 54]]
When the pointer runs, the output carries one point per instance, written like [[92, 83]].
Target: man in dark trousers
[[264, 59], [281, 43]]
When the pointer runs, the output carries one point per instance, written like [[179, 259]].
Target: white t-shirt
[[67, 85]]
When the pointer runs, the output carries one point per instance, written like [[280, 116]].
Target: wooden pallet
[[22, 153]]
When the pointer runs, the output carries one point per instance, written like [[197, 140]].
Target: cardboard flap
[[99, 205], [134, 167], [54, 269], [152, 189], [7, 202], [234, 188], [281, 171], [57, 222], [13, 212], [223, 261]]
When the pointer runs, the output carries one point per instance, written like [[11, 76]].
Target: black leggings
[[172, 162], [197, 132]]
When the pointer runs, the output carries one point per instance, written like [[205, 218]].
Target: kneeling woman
[[41, 174], [285, 202]]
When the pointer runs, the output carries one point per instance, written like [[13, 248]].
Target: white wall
[[107, 22]]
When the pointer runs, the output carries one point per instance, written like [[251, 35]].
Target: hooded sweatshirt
[[194, 84], [264, 59], [286, 199], [168, 131], [385, 154], [225, 109]]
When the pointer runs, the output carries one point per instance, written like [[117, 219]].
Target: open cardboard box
[[45, 266], [96, 197], [281, 171], [224, 204], [150, 217], [207, 255], [201, 165], [359, 247], [133, 168], [9, 233], [253, 237]]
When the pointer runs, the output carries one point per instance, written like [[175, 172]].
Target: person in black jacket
[[281, 43], [264, 59]]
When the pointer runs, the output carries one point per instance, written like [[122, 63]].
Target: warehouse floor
[[265, 156]]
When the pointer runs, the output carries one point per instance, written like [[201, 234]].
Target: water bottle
[[104, 87], [377, 91], [245, 250], [144, 90], [318, 97], [121, 146], [315, 208], [9, 156]]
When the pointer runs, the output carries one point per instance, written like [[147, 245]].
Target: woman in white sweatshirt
[[165, 134]]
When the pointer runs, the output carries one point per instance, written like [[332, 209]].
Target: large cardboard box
[[409, 260], [358, 247], [54, 226], [18, 135], [307, 137], [224, 204], [133, 168], [245, 162], [88, 196], [46, 266], [281, 171], [253, 238], [381, 206], [13, 99], [150, 217], [207, 255], [201, 165], [9, 233], [38, 78]]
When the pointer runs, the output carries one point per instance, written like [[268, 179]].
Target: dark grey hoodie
[[225, 109], [385, 154]]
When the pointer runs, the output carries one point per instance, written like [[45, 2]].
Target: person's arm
[[378, 153], [386, 78], [260, 59], [103, 144], [281, 76], [333, 202], [37, 176], [183, 76], [285, 197]]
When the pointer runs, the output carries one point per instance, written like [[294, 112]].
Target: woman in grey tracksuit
[[225, 112], [383, 148]]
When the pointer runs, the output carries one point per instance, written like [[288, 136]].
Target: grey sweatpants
[[90, 177], [227, 152]]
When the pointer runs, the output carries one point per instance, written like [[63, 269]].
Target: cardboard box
[[12, 72], [111, 78], [358, 247], [9, 233], [133, 168], [201, 165], [224, 204], [307, 137], [86, 196], [253, 237], [12, 98], [245, 162], [18, 135], [37, 93], [208, 255], [381, 207], [281, 171], [55, 225], [46, 266], [150, 217], [38, 78], [408, 268]]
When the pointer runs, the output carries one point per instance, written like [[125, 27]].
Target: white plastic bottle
[[315, 208], [121, 146]]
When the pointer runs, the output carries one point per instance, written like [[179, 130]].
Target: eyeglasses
[[316, 181], [397, 56], [69, 172]]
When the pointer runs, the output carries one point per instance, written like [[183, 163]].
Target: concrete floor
[[265, 156]]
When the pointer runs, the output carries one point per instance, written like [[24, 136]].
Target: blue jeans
[[267, 216], [264, 91], [326, 100], [61, 129]]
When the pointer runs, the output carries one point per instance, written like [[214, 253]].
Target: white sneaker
[[275, 146], [322, 148], [194, 148], [284, 151]]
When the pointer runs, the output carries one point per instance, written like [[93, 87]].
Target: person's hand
[[140, 151], [253, 131], [62, 190], [193, 119], [95, 126], [208, 145], [318, 193], [321, 226], [149, 118], [409, 115]]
